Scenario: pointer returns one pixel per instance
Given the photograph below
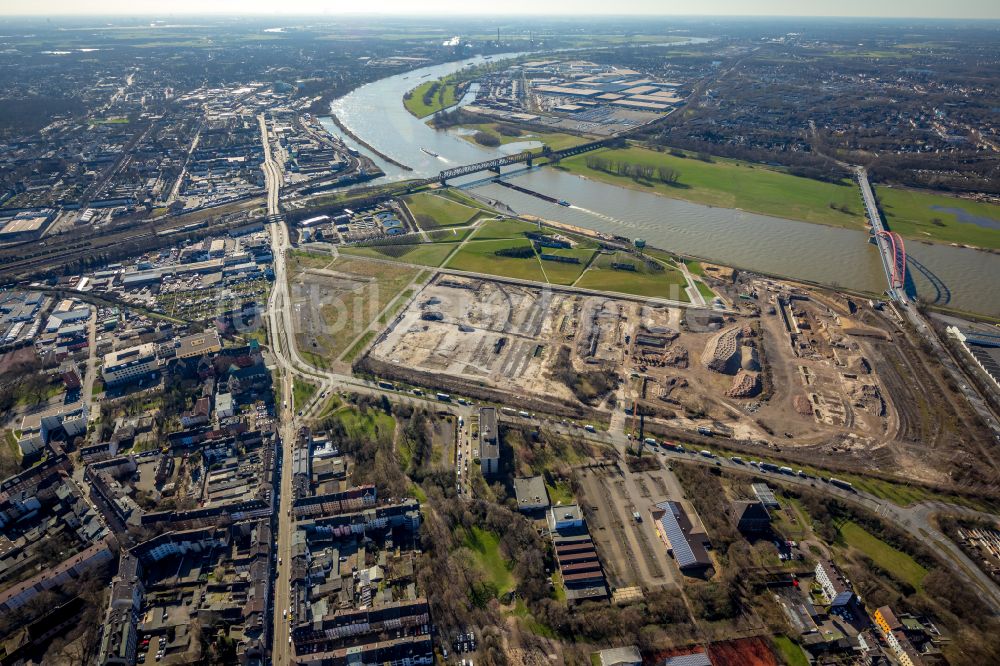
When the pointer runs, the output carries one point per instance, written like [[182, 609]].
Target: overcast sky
[[881, 8]]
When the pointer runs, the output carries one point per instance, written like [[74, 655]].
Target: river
[[964, 279]]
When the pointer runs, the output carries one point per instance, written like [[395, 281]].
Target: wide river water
[[964, 279]]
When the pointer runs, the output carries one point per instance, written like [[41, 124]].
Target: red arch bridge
[[898, 268]]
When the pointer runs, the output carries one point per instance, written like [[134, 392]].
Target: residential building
[[489, 441], [70, 569], [895, 636], [835, 586], [121, 621]]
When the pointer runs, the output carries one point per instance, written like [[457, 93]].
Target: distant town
[[333, 342]]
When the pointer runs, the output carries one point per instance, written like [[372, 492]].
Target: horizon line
[[440, 14]]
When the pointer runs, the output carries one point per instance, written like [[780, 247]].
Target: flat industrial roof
[[23, 224]]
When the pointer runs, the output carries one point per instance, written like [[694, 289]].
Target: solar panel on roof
[[697, 659], [678, 541]]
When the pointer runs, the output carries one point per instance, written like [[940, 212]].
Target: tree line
[[661, 174]]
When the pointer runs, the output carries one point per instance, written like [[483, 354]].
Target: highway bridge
[[890, 245]]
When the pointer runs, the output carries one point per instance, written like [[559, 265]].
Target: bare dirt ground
[[504, 335]]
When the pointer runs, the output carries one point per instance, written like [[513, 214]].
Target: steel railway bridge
[[526, 157]]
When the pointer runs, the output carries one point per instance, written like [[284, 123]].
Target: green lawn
[[734, 184], [496, 229], [426, 254], [885, 556], [705, 291], [480, 257], [669, 283], [694, 267], [912, 214], [560, 493], [450, 235], [445, 97], [463, 198], [560, 273], [789, 651], [302, 391], [485, 546], [432, 211]]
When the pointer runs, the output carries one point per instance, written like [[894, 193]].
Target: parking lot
[[631, 550]]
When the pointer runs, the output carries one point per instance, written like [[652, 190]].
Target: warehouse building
[[675, 529], [27, 225]]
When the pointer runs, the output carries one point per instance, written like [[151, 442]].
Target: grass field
[[10, 454], [669, 283], [480, 257], [445, 97], [426, 254], [705, 291], [344, 311], [694, 267], [463, 198], [394, 308], [566, 274], [734, 184], [450, 235], [554, 140], [302, 391], [373, 424], [885, 556], [497, 229], [789, 651], [432, 211], [485, 546], [936, 217], [358, 345]]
